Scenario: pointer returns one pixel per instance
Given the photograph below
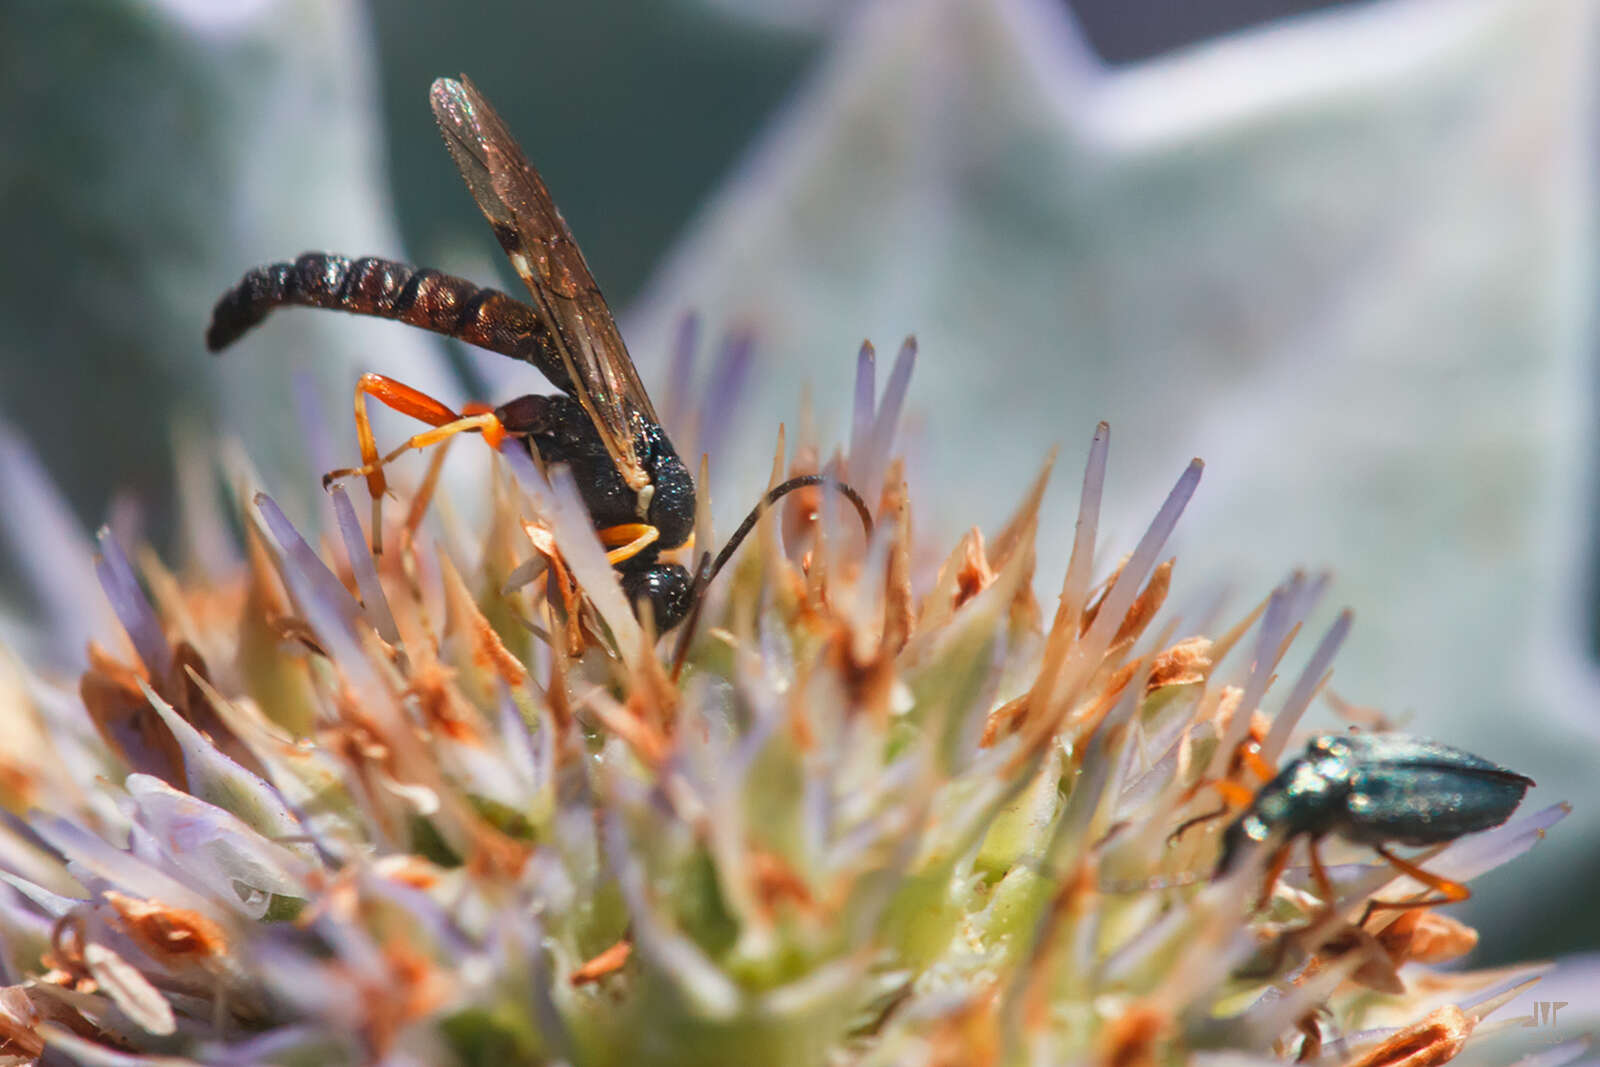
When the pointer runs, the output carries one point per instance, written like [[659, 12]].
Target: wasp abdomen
[[387, 289]]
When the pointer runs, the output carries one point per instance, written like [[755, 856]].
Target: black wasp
[[639, 494]]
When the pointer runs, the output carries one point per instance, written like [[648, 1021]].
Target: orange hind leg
[[1449, 892], [418, 405]]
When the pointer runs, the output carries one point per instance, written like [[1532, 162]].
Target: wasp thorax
[[667, 503]]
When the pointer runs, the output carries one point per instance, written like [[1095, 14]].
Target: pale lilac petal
[[1075, 584], [525, 942], [311, 420], [863, 406], [1121, 595], [375, 603], [28, 856], [216, 848], [1294, 706], [215, 778], [675, 392], [429, 920], [312, 988], [304, 563], [51, 551], [529, 476], [1279, 1009], [531, 757], [327, 605], [24, 932], [132, 607], [719, 413], [285, 1044], [93, 1054], [1565, 1001], [889, 408], [52, 905], [1269, 648], [204, 515], [89, 857], [1472, 856]]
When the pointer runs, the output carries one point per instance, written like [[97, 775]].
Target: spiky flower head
[[451, 804]]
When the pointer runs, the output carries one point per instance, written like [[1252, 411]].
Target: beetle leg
[[1319, 875], [1234, 796], [1280, 860], [1449, 892], [1198, 820], [627, 540], [1250, 755]]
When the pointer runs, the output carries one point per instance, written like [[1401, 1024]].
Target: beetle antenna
[[709, 569]]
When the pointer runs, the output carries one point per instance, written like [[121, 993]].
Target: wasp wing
[[514, 199]]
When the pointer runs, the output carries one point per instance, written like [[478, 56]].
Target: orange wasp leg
[[628, 540], [420, 406], [1449, 892]]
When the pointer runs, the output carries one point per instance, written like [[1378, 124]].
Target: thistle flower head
[[450, 805]]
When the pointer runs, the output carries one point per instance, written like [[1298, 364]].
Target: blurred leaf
[[155, 152]]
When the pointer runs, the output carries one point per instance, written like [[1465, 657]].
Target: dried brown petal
[[170, 935], [608, 962], [488, 651], [1185, 663], [1425, 936], [1436, 1039], [18, 1018], [968, 1036], [1145, 606], [1134, 1038], [899, 611], [776, 881], [126, 721], [974, 575], [1004, 720]]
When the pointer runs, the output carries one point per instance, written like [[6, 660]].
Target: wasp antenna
[[709, 569], [777, 493], [702, 578]]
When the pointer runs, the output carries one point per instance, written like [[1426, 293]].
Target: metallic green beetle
[[1376, 790]]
